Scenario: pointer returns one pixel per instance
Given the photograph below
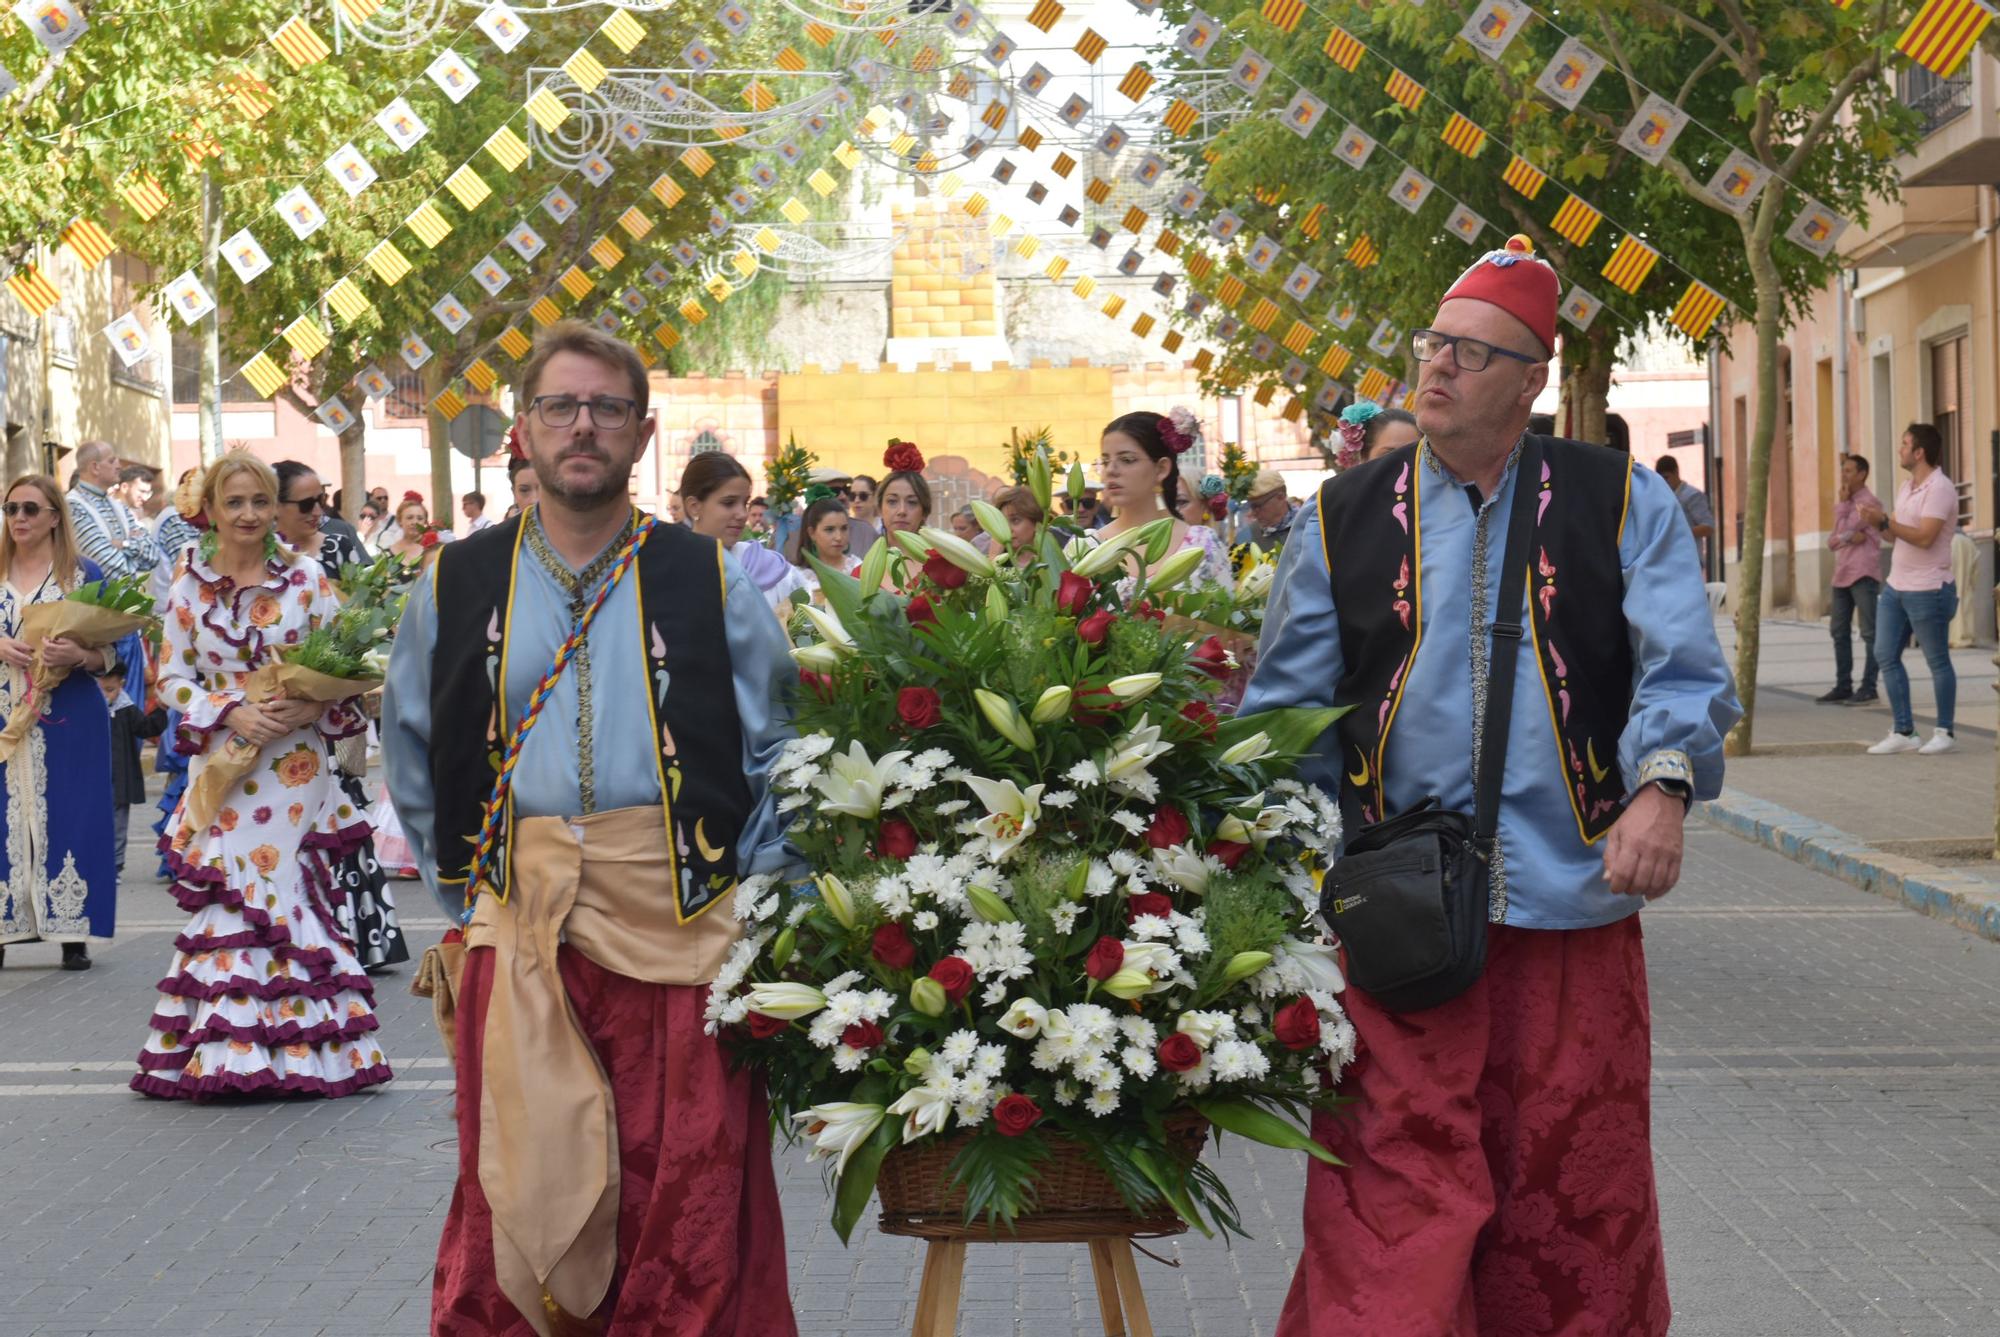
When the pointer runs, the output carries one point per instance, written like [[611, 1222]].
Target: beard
[[612, 486]]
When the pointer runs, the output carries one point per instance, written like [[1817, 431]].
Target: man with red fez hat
[[1497, 1172]]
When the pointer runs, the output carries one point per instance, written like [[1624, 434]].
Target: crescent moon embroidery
[[706, 850], [1359, 780], [1597, 773]]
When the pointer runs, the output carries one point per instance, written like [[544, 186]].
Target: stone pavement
[[1826, 1072]]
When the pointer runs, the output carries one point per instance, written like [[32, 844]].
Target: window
[[407, 399], [1951, 402], [129, 277], [706, 441], [187, 375]]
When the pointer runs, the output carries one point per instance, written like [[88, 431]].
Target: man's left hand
[[1642, 855]]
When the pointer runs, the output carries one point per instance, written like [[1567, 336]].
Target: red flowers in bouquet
[[819, 684], [1168, 828], [955, 974], [1296, 1026], [1104, 959], [1093, 629], [1073, 593], [896, 839], [892, 947], [1148, 903], [918, 707], [1200, 716], [763, 1027], [1016, 1114], [920, 612], [940, 571], [1228, 852], [866, 1034], [903, 457], [1211, 658], [1179, 1052]]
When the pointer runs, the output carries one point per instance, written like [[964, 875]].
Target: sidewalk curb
[[1969, 903]]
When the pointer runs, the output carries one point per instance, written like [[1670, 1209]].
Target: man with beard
[[1496, 1171], [614, 1167]]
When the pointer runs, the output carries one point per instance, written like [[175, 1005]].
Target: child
[[128, 781]]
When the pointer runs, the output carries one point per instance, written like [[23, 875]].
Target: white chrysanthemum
[[1148, 928], [1133, 824], [975, 1086], [793, 802], [1250, 1014], [1101, 880], [1138, 1031], [924, 920], [971, 1113], [1084, 775], [990, 1061], [1093, 1021], [1189, 938], [1238, 1060], [1066, 1092], [951, 807], [846, 1006], [932, 759], [892, 894], [1102, 1101], [1336, 1041], [1123, 862], [993, 994], [1139, 1062], [849, 1059], [800, 909], [1064, 917], [825, 1030], [959, 1047], [1061, 798], [1047, 1055]]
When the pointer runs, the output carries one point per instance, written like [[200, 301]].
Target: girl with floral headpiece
[[1367, 430], [1139, 472]]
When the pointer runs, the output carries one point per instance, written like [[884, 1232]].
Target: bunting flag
[[759, 98], [1697, 310], [622, 30], [299, 44], [449, 404], [388, 263], [1203, 360], [506, 148], [33, 290], [795, 211], [585, 69], [1263, 314], [1098, 191], [635, 224], [1334, 361], [667, 336], [88, 242], [1942, 32], [143, 193], [513, 342], [667, 190], [252, 97], [481, 376], [429, 223], [822, 184], [1044, 14], [1363, 252], [1057, 267], [1464, 136], [1374, 385], [768, 241], [1091, 46], [264, 375], [1171, 341], [790, 61], [1180, 117], [1284, 15], [347, 301], [1523, 177], [1299, 337], [1114, 306], [693, 312], [1167, 243], [1404, 89], [819, 35], [1230, 292], [1135, 83], [576, 283], [306, 337], [1576, 221], [1143, 326], [545, 311], [697, 160], [548, 110], [606, 252], [468, 187], [359, 12], [1085, 286], [1631, 263], [1343, 50]]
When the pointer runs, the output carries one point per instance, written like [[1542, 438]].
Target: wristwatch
[[1679, 789]]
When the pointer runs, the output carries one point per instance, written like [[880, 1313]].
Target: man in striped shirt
[[107, 532]]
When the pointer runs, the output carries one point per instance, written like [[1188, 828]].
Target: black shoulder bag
[[1408, 899]]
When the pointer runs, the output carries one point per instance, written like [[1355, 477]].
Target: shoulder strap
[[1507, 632]]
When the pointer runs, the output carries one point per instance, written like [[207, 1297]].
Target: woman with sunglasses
[[265, 993], [302, 511], [57, 882]]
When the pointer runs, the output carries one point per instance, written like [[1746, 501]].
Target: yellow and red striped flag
[[1314, 220], [429, 223], [1098, 191], [449, 404], [1284, 15], [1464, 136], [88, 242], [1171, 341], [306, 337], [606, 252], [667, 190], [1168, 242], [143, 193], [693, 312], [1523, 176], [388, 263], [548, 110], [1334, 362], [545, 311], [506, 148], [1029, 139], [1229, 292], [1179, 117], [759, 98], [667, 336], [1375, 383], [1630, 263], [1262, 314], [1085, 286], [1057, 267], [1136, 81], [359, 12], [264, 375], [1299, 337], [1114, 306], [33, 290], [1135, 219], [819, 35], [347, 301], [698, 160], [299, 44], [252, 96], [514, 343], [1404, 89], [1576, 220], [1343, 50], [481, 376], [576, 283], [1363, 252], [1203, 360], [768, 241], [1697, 309], [635, 223], [1198, 264], [1265, 392], [1143, 326], [1044, 14], [586, 69], [622, 30], [1091, 46], [468, 187], [1942, 32], [790, 61]]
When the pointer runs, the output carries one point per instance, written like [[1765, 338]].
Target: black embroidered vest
[[1372, 528], [692, 725]]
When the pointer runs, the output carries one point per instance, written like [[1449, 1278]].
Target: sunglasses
[[307, 505], [859, 495], [31, 509]]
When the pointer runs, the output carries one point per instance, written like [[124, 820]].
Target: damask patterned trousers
[[1499, 1171]]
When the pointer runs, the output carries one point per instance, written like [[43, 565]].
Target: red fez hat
[[1518, 283]]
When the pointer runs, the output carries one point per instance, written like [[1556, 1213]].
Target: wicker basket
[[1074, 1199]]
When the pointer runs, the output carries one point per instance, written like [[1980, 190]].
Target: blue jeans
[[1928, 613], [1860, 597]]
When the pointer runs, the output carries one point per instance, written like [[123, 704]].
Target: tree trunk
[[436, 378], [1586, 382], [354, 467], [1756, 490], [210, 410]]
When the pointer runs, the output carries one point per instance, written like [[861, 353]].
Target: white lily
[[1253, 748], [828, 626], [1270, 821], [1005, 717], [786, 1000], [1105, 555], [839, 902], [924, 1110], [1175, 569], [1155, 958], [1011, 812], [1024, 1018], [994, 522], [1134, 686], [1185, 869], [819, 657], [1051, 705], [1205, 1028], [1129, 760], [839, 1129], [853, 785], [913, 545], [958, 552], [1317, 964], [1255, 583]]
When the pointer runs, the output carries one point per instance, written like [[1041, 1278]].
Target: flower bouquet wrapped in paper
[[1063, 909], [344, 657], [94, 615]]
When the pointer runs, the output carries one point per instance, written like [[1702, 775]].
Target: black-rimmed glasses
[[607, 411], [307, 505], [1468, 354], [31, 509]]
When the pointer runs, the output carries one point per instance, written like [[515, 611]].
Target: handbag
[[1409, 897]]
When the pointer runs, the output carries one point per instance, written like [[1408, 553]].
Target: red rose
[[893, 948], [866, 1035], [1297, 1024], [1104, 959], [955, 974], [1211, 658], [429, 539], [1230, 852], [896, 839], [903, 457], [1168, 828], [1148, 903], [1200, 716], [819, 684], [1179, 1052], [763, 1027], [918, 707], [938, 569], [1016, 1114], [1093, 706], [1093, 629], [1218, 505], [920, 612], [1073, 593], [1144, 608]]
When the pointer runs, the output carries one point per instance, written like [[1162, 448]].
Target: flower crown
[[187, 499], [1353, 427], [903, 457], [413, 495], [1181, 430], [818, 492]]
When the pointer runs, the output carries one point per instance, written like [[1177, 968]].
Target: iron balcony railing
[[1938, 101]]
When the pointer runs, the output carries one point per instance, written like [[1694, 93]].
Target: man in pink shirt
[[1921, 597], [1857, 570]]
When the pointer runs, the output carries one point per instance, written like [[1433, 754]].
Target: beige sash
[[548, 1136]]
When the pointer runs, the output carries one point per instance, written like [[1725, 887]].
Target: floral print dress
[[265, 994]]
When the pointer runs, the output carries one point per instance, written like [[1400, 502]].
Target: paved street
[[1827, 1075]]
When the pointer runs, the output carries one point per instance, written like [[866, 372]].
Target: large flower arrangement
[[1057, 895], [786, 476]]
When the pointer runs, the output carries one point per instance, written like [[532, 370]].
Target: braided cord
[[494, 814]]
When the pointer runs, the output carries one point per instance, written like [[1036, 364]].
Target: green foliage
[[353, 642], [998, 1175], [124, 595], [787, 475]]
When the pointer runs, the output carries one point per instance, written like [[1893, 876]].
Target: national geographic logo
[[1343, 904]]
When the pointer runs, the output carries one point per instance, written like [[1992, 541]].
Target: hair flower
[[1181, 430], [819, 492], [903, 457], [1212, 485], [413, 495]]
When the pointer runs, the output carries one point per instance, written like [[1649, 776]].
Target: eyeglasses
[[31, 509], [1468, 354], [859, 495], [606, 411], [307, 505]]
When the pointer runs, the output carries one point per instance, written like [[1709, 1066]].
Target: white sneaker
[[1941, 741], [1896, 742]]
